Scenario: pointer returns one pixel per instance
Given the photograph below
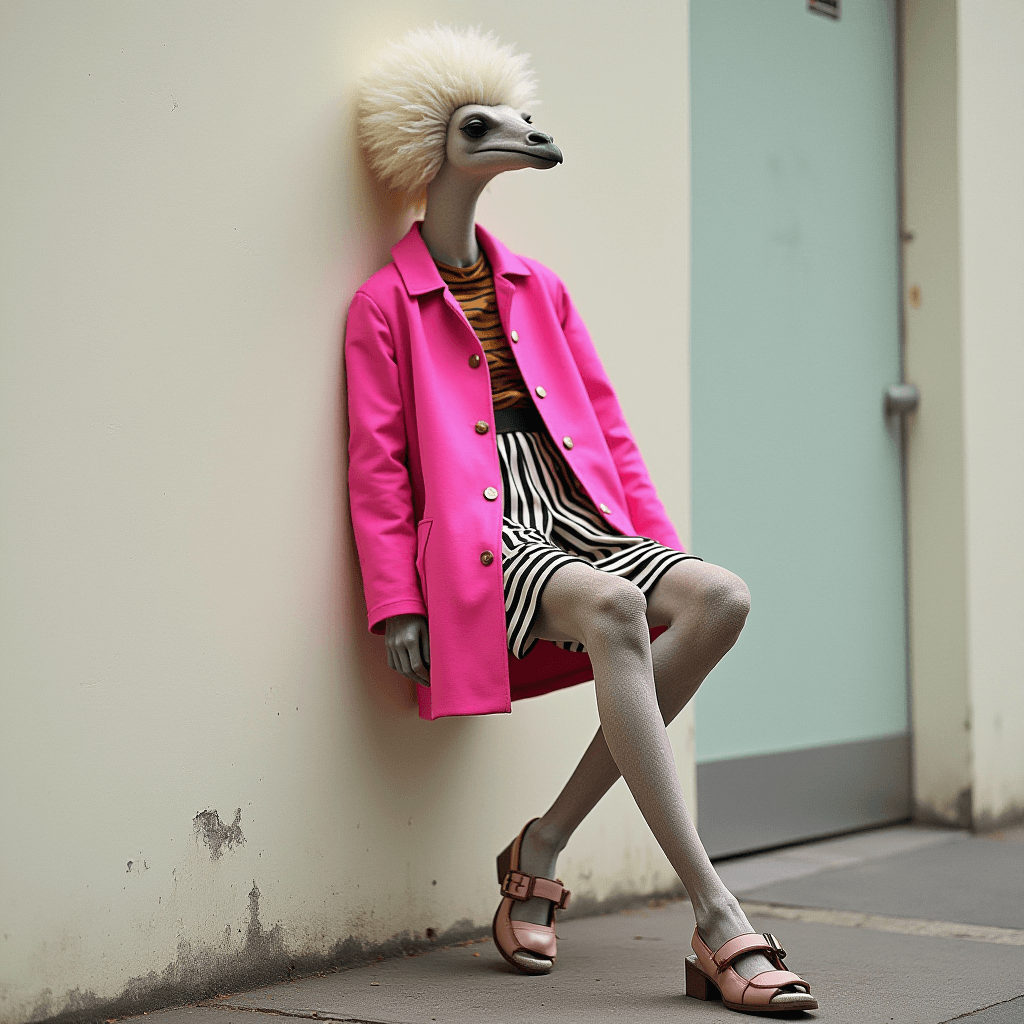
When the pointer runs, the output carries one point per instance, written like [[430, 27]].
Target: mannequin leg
[[639, 688]]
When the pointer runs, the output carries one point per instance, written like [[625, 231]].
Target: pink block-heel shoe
[[710, 975], [528, 947]]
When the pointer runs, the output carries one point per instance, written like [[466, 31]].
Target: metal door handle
[[901, 399]]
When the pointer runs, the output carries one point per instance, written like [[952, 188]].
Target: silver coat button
[[541, 393], [603, 507], [567, 441], [514, 335], [491, 493], [482, 426]]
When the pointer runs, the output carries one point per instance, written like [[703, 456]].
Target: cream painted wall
[[184, 219], [935, 509], [964, 204], [991, 136]]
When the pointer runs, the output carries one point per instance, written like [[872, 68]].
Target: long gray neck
[[449, 225]]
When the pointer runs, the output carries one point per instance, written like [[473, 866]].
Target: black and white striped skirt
[[550, 521]]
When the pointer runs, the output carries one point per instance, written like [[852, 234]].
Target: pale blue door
[[803, 729]]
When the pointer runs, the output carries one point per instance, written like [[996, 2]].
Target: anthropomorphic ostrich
[[510, 537]]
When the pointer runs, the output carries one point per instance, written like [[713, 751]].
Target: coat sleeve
[[380, 492], [642, 502]]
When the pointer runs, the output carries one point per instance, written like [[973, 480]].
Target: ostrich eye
[[476, 129], [527, 119]]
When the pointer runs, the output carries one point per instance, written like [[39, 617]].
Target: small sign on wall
[[830, 8]]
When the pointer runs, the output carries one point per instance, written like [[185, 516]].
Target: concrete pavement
[[905, 925]]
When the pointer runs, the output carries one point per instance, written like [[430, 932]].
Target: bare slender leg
[[704, 607]]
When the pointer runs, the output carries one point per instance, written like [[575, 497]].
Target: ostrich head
[[449, 104], [483, 141]]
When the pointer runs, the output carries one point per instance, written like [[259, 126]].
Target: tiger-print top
[[473, 287]]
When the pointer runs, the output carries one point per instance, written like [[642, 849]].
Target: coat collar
[[419, 272]]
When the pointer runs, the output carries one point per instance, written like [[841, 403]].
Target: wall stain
[[961, 813], [203, 971], [216, 834], [955, 814], [1011, 817]]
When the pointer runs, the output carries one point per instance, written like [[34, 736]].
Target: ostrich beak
[[547, 151], [537, 146]]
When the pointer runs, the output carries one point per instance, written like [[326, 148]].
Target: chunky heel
[[697, 983]]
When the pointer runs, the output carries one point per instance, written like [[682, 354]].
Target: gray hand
[[408, 643]]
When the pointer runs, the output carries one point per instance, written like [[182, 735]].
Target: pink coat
[[418, 469]]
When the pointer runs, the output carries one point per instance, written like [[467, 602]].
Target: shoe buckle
[[775, 944], [517, 885]]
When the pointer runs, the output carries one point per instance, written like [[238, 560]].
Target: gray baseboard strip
[[754, 803]]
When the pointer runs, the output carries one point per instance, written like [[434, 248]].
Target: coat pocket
[[422, 536]]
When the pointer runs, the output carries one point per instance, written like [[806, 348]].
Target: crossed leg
[[640, 687]]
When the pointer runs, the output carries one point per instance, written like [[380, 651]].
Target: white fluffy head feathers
[[417, 83]]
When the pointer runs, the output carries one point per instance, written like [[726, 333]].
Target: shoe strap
[[777, 979], [740, 944], [518, 885]]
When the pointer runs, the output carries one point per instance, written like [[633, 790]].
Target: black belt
[[527, 419]]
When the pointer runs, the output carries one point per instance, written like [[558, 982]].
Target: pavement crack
[[980, 1009], [318, 1015], [883, 923]]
